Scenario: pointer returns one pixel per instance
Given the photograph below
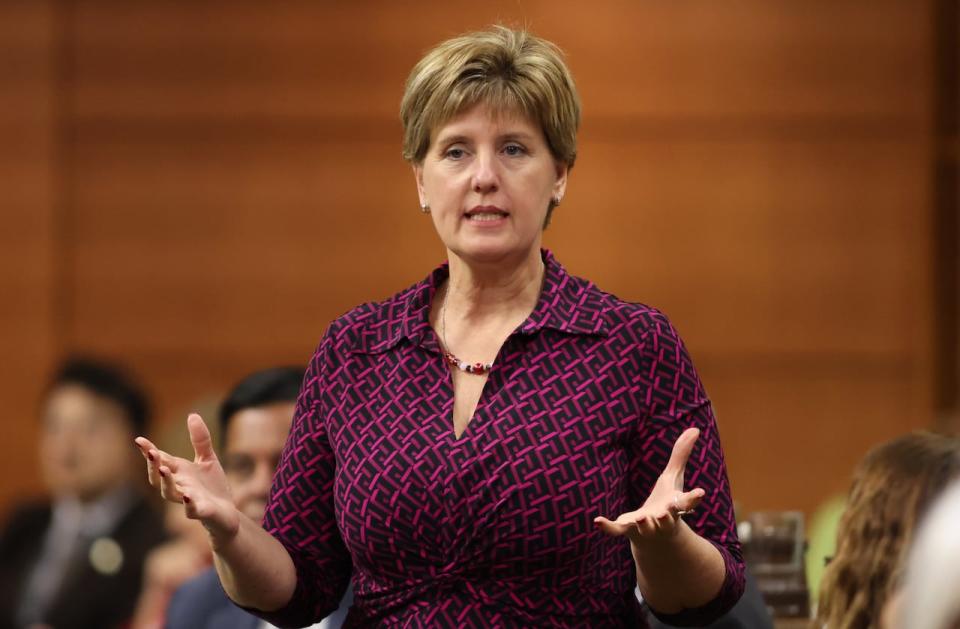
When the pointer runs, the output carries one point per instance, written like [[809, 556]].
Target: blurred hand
[[659, 517], [200, 485]]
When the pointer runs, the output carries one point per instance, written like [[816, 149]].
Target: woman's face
[[488, 180]]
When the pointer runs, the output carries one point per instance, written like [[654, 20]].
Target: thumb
[[200, 438], [681, 451]]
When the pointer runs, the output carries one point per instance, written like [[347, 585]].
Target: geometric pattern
[[494, 529]]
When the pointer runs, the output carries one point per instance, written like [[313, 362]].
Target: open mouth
[[482, 214]]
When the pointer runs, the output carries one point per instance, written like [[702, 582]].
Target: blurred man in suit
[[254, 419], [75, 561]]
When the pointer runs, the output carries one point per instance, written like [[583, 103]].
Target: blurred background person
[[168, 566], [930, 596], [255, 418], [75, 560], [892, 489]]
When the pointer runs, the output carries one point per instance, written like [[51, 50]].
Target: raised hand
[[659, 517], [200, 485]]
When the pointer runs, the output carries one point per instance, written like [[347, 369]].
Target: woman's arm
[[676, 568], [255, 569], [685, 573], [689, 569]]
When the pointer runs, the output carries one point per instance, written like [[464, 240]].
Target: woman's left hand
[[659, 517]]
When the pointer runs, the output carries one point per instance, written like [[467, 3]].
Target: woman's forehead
[[482, 117]]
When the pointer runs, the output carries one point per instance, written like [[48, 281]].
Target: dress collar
[[567, 304]]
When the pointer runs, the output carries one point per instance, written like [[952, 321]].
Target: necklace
[[477, 368]]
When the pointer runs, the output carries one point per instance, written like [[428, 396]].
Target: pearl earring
[[425, 208]]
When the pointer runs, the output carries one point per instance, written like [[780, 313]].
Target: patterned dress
[[494, 529]]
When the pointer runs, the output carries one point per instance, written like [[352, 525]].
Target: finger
[[147, 448], [153, 468], [609, 527], [623, 525], [191, 508], [173, 463], [200, 437], [667, 521], [688, 501], [681, 451], [145, 445], [200, 508], [646, 526], [168, 487]]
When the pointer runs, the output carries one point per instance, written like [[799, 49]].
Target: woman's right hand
[[201, 485]]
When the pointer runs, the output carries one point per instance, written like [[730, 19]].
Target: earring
[[425, 208], [556, 201]]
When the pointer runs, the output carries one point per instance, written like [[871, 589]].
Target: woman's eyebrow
[[452, 139], [516, 135]]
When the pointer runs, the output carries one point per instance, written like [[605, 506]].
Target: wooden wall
[[198, 188]]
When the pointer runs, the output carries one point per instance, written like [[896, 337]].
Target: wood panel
[[759, 171], [27, 236], [793, 429], [671, 60]]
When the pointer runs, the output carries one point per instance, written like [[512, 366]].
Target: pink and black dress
[[494, 529]]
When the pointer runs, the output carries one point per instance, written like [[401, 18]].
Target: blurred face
[[488, 181], [252, 447], [85, 446]]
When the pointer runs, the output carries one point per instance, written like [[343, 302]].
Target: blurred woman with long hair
[[892, 488]]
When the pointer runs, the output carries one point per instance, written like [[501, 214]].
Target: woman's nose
[[485, 175]]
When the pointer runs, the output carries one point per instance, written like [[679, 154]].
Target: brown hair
[[507, 70], [892, 488]]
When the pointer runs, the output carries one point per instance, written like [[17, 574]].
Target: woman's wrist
[[225, 530], [678, 571]]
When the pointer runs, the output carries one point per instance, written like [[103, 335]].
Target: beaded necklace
[[477, 368]]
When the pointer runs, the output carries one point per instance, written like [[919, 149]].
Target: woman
[[458, 446], [892, 489]]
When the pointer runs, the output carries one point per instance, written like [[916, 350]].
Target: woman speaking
[[501, 444]]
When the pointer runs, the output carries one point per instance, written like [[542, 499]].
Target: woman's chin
[[492, 252]]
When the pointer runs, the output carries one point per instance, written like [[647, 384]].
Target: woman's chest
[[542, 455]]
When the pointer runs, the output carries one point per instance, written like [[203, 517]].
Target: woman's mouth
[[485, 214]]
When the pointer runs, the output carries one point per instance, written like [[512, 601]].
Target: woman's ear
[[560, 185], [418, 176]]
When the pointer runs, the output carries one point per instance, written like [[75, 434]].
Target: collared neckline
[[567, 304]]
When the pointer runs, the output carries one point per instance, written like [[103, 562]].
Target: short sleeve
[[671, 399], [300, 511]]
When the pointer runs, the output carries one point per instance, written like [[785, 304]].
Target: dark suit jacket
[[201, 603], [87, 599]]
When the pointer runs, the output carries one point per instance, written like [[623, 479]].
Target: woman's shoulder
[[620, 314], [374, 324]]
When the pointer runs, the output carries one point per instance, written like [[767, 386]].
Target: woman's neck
[[484, 292]]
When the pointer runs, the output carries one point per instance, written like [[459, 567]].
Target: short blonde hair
[[507, 70]]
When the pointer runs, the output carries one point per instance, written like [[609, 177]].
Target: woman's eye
[[454, 153], [513, 149]]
